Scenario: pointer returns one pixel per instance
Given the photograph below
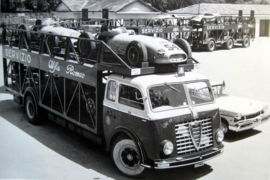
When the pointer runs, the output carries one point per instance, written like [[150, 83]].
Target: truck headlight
[[219, 135], [167, 147]]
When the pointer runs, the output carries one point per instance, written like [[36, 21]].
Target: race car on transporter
[[136, 49]]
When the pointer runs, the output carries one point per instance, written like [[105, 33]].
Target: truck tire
[[126, 157], [246, 42], [229, 44], [211, 46], [136, 53], [184, 45], [31, 110], [86, 47]]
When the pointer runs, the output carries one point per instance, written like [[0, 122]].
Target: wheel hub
[[129, 157]]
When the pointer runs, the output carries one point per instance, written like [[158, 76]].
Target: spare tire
[[184, 45], [86, 47]]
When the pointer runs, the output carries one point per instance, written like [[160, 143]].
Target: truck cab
[[160, 121]]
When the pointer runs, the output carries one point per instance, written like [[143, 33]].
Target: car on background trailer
[[239, 114]]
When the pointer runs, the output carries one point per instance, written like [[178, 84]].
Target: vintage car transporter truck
[[147, 117]]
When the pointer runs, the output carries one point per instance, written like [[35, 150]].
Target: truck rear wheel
[[136, 53], [211, 46], [246, 42], [126, 157], [31, 110]]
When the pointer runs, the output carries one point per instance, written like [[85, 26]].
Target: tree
[[10, 5], [41, 5]]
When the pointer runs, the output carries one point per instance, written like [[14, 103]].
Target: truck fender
[[31, 91], [126, 132]]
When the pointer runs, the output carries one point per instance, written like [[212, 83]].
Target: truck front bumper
[[187, 160], [249, 123]]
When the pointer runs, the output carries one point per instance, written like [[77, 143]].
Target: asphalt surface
[[51, 152]]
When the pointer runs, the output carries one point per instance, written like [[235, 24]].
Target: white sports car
[[239, 114]]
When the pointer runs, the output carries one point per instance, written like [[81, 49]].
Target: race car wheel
[[184, 45], [246, 42], [136, 53], [211, 46], [126, 157], [229, 44], [86, 47], [27, 35]]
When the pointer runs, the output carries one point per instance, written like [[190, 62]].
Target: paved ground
[[50, 152]]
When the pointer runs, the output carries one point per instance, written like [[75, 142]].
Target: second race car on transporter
[[135, 49]]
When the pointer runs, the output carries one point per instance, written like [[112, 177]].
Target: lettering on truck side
[[17, 55]]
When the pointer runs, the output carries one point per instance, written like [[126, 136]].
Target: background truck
[[211, 30], [147, 117]]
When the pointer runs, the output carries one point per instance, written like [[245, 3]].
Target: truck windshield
[[167, 96], [171, 96], [200, 93]]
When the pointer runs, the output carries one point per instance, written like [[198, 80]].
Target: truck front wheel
[[126, 157], [211, 46], [246, 42]]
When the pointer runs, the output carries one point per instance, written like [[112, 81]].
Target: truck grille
[[194, 135]]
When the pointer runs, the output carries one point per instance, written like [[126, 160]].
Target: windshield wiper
[[171, 86]]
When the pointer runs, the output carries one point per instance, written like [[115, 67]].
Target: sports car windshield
[[172, 96]]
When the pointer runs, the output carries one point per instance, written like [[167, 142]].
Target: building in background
[[117, 9]]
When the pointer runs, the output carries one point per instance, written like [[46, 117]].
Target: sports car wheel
[[211, 45], [184, 45], [229, 44], [86, 47], [136, 53], [126, 157], [246, 42], [224, 127]]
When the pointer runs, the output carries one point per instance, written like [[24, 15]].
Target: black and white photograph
[[135, 89]]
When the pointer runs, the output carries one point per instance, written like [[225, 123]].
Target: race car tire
[[86, 47], [229, 44], [26, 34], [184, 45], [126, 156], [211, 46], [136, 53], [246, 42]]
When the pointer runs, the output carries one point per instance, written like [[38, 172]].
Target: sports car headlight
[[161, 52], [167, 147], [219, 135], [238, 116]]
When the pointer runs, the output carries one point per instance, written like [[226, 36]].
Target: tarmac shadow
[[84, 152], [237, 136]]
